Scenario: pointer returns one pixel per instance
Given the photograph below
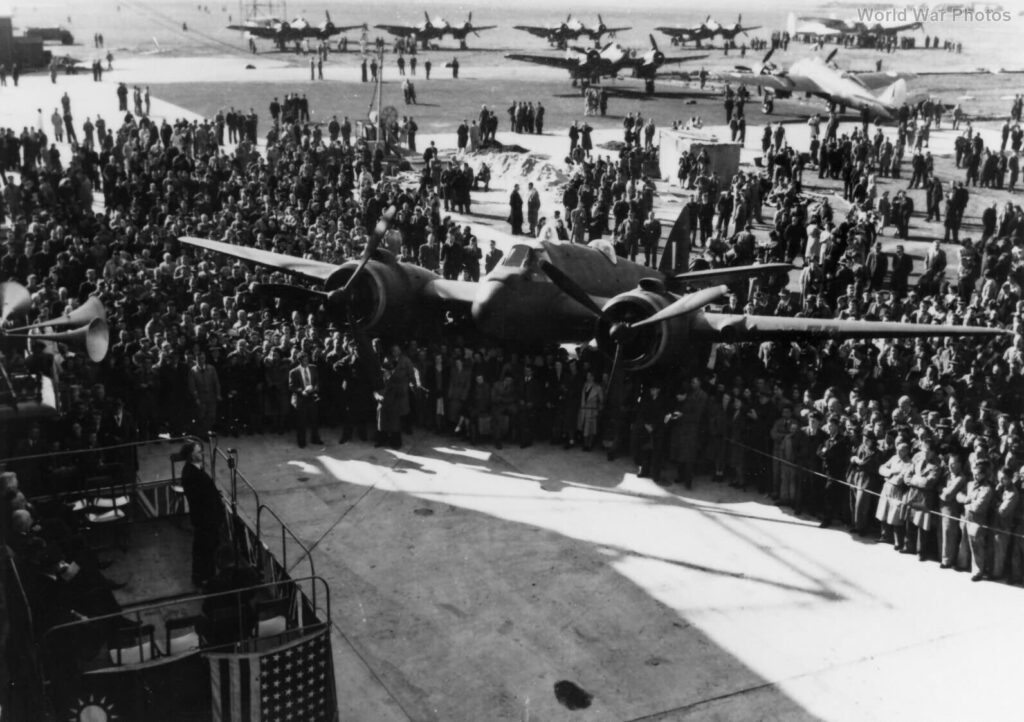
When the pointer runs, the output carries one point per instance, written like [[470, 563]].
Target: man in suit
[[304, 383], [206, 512], [117, 429], [902, 266], [876, 265], [204, 388]]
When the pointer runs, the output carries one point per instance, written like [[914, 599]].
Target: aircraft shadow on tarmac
[[706, 500]]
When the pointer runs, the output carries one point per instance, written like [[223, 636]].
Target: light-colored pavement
[[466, 582]]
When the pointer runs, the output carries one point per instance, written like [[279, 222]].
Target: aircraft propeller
[[621, 332], [830, 56], [340, 295], [687, 304]]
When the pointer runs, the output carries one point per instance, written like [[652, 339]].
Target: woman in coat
[[864, 481], [892, 512], [591, 402]]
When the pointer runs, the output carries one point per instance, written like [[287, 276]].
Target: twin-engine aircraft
[[881, 93], [430, 30], [284, 32], [608, 62], [707, 30], [825, 26], [560, 35], [554, 292]]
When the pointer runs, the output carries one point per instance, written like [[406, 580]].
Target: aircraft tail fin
[[676, 257], [791, 24], [894, 95]]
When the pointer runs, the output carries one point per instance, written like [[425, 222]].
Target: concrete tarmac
[[466, 582]]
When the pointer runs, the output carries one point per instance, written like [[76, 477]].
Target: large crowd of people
[[931, 426]]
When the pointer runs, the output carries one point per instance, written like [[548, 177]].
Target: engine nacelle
[[382, 300], [659, 344]]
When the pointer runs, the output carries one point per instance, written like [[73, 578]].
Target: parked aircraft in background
[[294, 31], [560, 35], [881, 93], [707, 30], [610, 61], [431, 30]]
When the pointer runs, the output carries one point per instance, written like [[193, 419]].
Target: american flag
[[289, 682]]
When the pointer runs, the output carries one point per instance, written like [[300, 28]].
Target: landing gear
[[462, 45], [649, 86]]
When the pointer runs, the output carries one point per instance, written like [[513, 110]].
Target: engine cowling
[[381, 301], [659, 344]]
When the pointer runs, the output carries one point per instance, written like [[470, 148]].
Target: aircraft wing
[[686, 33], [552, 60], [616, 30], [813, 27], [730, 328], [682, 59], [451, 292], [728, 275], [773, 82], [255, 30], [307, 268], [481, 28], [747, 30], [877, 81], [399, 30], [535, 30], [345, 28]]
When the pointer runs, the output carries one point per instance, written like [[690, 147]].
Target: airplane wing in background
[[316, 270], [398, 30], [550, 60], [771, 82], [877, 81], [255, 30], [535, 30], [682, 59]]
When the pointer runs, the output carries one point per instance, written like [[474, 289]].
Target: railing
[[285, 534]]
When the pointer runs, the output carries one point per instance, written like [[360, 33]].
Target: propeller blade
[[615, 376], [570, 288], [768, 56], [372, 244], [15, 300], [687, 304], [830, 56], [654, 45]]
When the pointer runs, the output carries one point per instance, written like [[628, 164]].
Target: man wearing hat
[[834, 453], [647, 437]]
